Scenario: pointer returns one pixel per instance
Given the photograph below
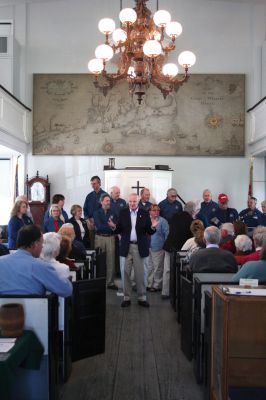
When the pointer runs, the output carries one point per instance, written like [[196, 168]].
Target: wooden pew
[[41, 316], [191, 314]]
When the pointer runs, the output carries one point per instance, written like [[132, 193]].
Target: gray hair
[[259, 235], [227, 226], [171, 190], [190, 207], [51, 246], [243, 243], [206, 191], [212, 235]]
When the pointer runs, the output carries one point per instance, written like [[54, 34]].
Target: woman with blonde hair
[[18, 219], [197, 241], [80, 225], [54, 222], [78, 250]]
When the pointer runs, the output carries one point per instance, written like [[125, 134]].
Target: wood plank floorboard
[[142, 360]]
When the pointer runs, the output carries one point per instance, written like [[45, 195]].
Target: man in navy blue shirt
[[208, 206], [251, 216], [170, 206], [104, 237], [145, 199], [223, 213], [117, 204], [92, 203]]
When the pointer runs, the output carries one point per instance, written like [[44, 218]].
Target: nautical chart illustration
[[205, 117]]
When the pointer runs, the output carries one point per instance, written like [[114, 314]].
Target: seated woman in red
[[54, 222]]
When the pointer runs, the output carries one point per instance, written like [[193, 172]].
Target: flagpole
[[250, 186]]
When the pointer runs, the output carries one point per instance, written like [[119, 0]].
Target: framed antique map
[[205, 117]]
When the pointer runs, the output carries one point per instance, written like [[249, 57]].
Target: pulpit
[[133, 180]]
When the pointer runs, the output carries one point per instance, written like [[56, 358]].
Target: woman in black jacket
[[80, 225]]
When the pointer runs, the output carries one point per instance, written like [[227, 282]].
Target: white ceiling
[[7, 152]]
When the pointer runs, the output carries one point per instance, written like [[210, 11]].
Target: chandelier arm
[[168, 48]]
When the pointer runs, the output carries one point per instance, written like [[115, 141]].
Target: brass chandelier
[[142, 49]]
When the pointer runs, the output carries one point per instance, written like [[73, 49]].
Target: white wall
[[226, 37]]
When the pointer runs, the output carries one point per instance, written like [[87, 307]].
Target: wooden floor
[[142, 361]]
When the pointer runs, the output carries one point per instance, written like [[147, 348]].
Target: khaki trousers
[[133, 260], [155, 273]]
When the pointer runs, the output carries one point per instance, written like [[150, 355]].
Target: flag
[[16, 191]]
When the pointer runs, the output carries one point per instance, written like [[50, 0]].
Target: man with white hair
[[117, 204], [170, 205], [134, 226], [212, 259], [208, 206]]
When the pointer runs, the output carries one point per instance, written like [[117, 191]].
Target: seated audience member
[[58, 199], [240, 228], [227, 237], [263, 210], [24, 273], [50, 250], [259, 236], [212, 259], [78, 250], [251, 216], [3, 249], [253, 269], [243, 245], [208, 206], [80, 225], [156, 257], [54, 222], [223, 213], [197, 241], [64, 251], [18, 219]]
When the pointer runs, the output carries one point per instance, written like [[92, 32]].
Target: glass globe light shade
[[187, 58], [119, 35], [106, 25], [95, 65], [152, 48], [131, 72], [162, 18], [170, 69], [104, 52], [173, 29], [128, 15]]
